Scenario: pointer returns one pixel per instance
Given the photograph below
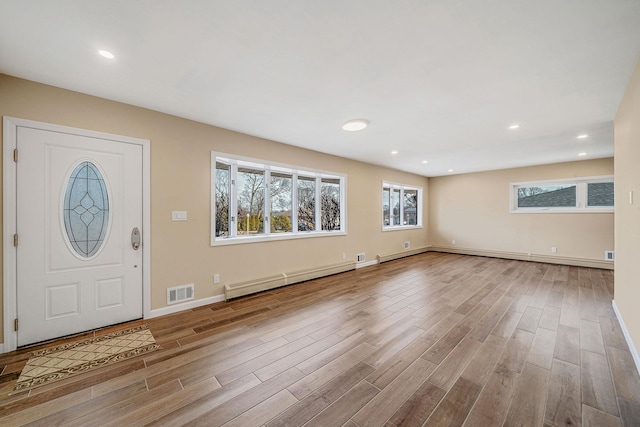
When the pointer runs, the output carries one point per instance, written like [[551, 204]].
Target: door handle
[[135, 238]]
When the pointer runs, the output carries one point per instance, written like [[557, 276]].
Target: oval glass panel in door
[[86, 210]]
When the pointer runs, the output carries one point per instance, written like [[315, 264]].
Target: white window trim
[[295, 172], [402, 187], [581, 196]]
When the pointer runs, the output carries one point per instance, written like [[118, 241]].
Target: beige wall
[[473, 210], [627, 175], [180, 180]]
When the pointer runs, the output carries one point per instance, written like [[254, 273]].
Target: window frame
[[581, 185], [268, 167], [401, 187]]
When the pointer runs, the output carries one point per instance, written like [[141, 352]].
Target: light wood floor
[[434, 339]]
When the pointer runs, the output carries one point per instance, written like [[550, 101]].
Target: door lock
[[135, 238]]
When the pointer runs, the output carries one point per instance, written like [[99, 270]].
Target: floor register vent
[[179, 294]]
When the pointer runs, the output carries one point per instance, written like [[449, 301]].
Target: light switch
[[179, 215]]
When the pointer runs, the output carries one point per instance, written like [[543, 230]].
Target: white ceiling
[[438, 80]]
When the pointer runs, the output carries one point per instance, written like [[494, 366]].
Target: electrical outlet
[[554, 250], [361, 257], [407, 245], [453, 242], [216, 278], [344, 255]]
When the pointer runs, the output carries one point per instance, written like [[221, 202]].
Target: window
[[306, 203], [253, 200], [250, 196], [591, 194], [401, 206], [281, 202], [330, 203]]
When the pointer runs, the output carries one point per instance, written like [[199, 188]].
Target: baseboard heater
[[550, 259], [264, 284], [397, 255]]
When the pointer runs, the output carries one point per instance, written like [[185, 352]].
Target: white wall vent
[[179, 294], [609, 255], [361, 257]]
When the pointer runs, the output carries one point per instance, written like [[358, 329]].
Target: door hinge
[[15, 155], [15, 240], [15, 325]]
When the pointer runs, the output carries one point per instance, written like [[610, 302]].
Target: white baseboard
[[550, 259], [366, 264], [627, 336], [185, 306]]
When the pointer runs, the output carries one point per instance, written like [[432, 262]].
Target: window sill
[[561, 211], [238, 240], [401, 227]]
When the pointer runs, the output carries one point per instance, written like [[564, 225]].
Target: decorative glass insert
[[86, 209]]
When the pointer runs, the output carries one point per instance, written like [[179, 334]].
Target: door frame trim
[[9, 261]]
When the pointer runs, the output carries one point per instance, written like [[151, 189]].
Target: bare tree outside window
[[529, 191], [330, 204], [547, 196], [272, 201], [589, 194], [280, 190], [222, 199], [386, 203], [410, 207], [250, 201], [395, 205], [306, 204], [401, 206]]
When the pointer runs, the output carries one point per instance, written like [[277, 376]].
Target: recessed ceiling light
[[424, 162], [450, 170], [583, 136], [582, 154], [106, 54], [516, 126], [394, 152], [355, 125]]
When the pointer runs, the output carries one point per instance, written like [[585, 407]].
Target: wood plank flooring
[[433, 339]]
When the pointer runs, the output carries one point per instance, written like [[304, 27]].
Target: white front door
[[79, 200]]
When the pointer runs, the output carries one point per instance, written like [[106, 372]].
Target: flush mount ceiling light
[[582, 154], [450, 170], [355, 125], [106, 54], [394, 152], [583, 136], [514, 126], [424, 162]]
